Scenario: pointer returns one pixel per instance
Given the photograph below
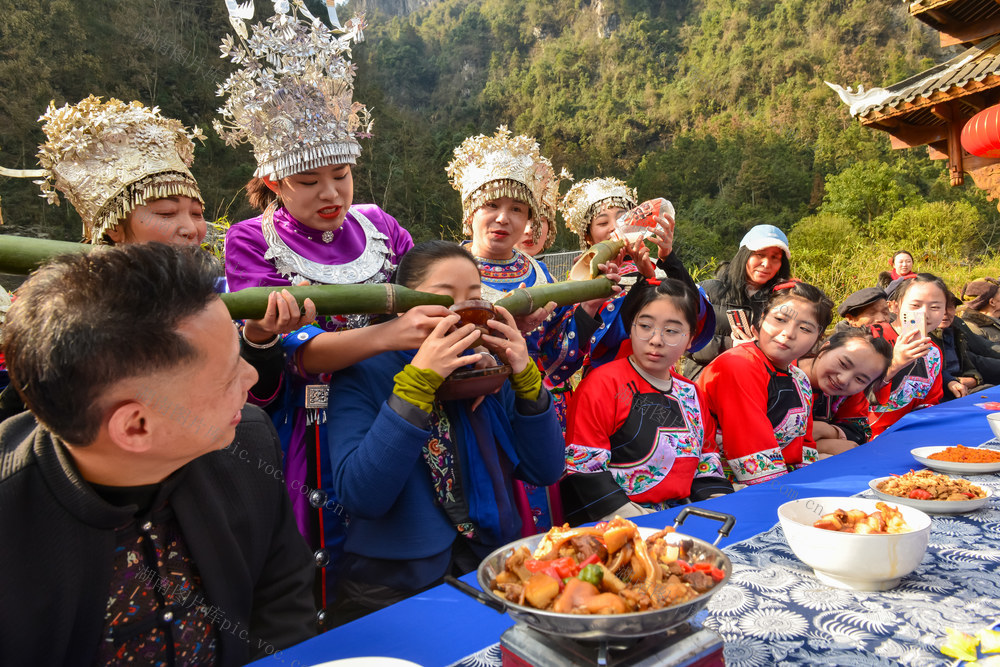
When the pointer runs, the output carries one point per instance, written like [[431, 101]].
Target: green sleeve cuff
[[528, 383], [417, 386]]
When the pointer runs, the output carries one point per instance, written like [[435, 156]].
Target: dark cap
[[861, 299], [892, 287]]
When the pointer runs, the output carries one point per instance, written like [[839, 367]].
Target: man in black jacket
[[142, 510]]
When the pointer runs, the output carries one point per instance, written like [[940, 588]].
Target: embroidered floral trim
[[758, 467], [586, 459], [912, 388]]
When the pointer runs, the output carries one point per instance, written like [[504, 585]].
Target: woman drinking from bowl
[[430, 484]]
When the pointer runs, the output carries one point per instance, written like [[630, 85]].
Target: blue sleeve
[[538, 442], [373, 450], [611, 333], [558, 345]]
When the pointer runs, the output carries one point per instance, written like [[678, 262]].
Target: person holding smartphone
[[914, 376], [741, 291]]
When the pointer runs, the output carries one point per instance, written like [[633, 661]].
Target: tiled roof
[[975, 64]]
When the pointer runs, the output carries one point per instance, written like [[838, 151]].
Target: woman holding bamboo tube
[[125, 169], [592, 208], [505, 182], [310, 231]]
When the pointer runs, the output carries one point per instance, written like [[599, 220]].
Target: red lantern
[[981, 135]]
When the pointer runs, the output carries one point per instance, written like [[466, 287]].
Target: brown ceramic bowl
[[475, 311], [478, 312], [472, 383]]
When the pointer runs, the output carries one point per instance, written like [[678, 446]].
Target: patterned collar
[[512, 270]]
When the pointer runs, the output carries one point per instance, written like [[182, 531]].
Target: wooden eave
[[959, 21], [973, 96]]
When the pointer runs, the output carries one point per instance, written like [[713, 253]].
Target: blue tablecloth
[[441, 626]]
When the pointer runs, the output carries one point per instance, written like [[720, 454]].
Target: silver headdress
[[107, 158], [504, 165], [588, 198], [291, 97]]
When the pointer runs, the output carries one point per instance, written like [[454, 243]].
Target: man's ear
[[271, 185], [130, 428]]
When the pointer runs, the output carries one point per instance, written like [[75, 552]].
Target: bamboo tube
[[20, 255], [600, 253], [523, 301], [251, 303]]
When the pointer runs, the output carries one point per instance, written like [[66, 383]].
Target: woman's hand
[[740, 337], [663, 236], [609, 271], [639, 252], [443, 351], [907, 349], [282, 316], [512, 344], [410, 329]]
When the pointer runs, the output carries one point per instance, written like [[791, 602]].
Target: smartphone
[[739, 319], [910, 320]]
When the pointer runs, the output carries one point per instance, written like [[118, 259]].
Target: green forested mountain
[[718, 105]]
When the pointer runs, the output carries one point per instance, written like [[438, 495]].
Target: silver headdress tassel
[[291, 97]]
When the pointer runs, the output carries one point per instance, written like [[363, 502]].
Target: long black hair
[[735, 275]]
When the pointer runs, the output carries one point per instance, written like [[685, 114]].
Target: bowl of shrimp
[[856, 544]]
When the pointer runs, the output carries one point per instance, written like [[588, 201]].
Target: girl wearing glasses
[[639, 436], [761, 401]]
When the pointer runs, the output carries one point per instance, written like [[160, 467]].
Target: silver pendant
[[327, 236]]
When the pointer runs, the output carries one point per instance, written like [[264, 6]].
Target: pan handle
[[728, 520], [471, 591]]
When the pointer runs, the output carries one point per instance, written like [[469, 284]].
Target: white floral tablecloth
[[774, 611]]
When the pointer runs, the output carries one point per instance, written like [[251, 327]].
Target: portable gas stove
[[684, 645]]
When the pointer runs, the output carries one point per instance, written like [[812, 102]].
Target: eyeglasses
[[669, 336]]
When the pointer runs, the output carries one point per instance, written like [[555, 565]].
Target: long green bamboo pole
[[523, 301], [20, 255], [251, 303]]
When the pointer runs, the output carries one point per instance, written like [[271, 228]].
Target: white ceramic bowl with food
[[921, 454], [994, 421], [849, 560], [931, 506]]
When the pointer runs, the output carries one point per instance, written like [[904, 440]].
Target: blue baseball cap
[[766, 236]]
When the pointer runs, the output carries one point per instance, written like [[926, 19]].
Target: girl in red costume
[[639, 436], [914, 376], [760, 399]]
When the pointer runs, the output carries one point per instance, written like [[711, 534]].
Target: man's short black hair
[[84, 322]]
